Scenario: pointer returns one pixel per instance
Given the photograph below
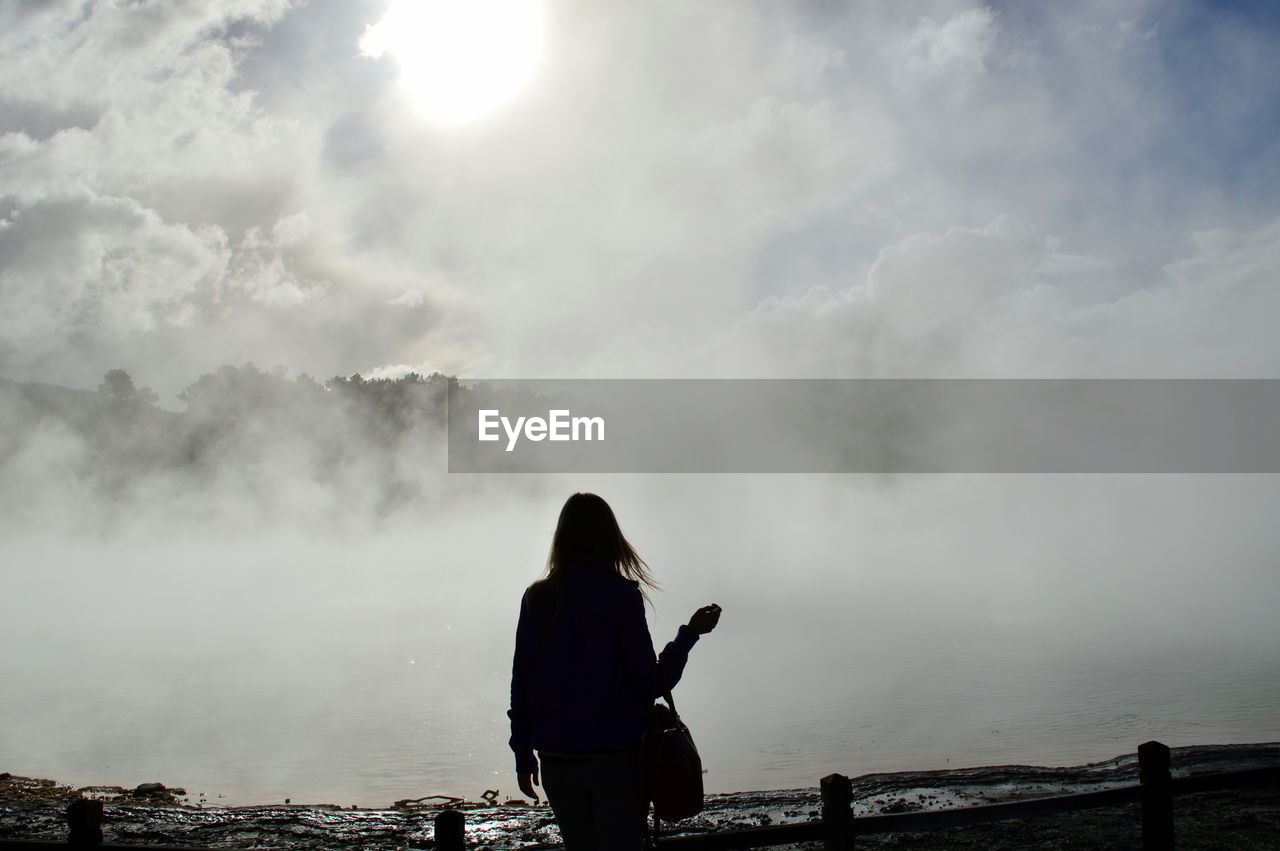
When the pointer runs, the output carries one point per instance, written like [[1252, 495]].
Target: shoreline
[[34, 809]]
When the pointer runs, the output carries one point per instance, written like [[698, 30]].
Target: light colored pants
[[597, 799]]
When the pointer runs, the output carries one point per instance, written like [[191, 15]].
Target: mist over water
[[342, 650]]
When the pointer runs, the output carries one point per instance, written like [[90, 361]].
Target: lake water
[[915, 624]]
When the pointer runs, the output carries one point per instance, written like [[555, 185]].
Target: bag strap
[[671, 702]]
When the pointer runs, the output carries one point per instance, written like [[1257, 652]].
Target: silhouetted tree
[[117, 385]]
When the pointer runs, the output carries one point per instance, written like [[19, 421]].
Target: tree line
[[242, 425]]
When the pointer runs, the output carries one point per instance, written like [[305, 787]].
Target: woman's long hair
[[587, 525]]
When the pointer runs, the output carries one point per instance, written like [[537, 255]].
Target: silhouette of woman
[[585, 675]]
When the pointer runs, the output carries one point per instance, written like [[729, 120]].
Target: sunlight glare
[[460, 59]]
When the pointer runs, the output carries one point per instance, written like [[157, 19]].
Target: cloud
[[998, 302], [1209, 316], [953, 49], [926, 278], [673, 177], [157, 215], [100, 266], [262, 271]]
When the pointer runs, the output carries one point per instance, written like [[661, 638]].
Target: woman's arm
[[519, 713]]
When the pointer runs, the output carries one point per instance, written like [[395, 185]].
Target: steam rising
[[279, 593]]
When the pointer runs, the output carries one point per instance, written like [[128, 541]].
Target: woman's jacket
[[584, 673]]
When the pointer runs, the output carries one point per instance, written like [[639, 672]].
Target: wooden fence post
[[84, 818], [1157, 797], [837, 813], [450, 831]]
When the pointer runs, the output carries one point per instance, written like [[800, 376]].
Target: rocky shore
[[152, 813]]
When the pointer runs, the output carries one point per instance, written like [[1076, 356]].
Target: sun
[[460, 59]]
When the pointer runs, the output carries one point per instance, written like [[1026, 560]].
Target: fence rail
[[838, 828]]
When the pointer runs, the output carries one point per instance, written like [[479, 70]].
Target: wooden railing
[[838, 828]]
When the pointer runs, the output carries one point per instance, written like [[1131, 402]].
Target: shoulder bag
[[672, 767]]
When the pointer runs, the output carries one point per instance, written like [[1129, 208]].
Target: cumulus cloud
[[998, 302], [239, 182], [925, 278], [947, 50], [158, 214], [93, 265]]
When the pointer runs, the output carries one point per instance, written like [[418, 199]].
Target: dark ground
[[1231, 819]]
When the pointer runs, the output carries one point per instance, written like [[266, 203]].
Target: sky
[[738, 189]]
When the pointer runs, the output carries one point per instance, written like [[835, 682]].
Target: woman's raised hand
[[705, 619]]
